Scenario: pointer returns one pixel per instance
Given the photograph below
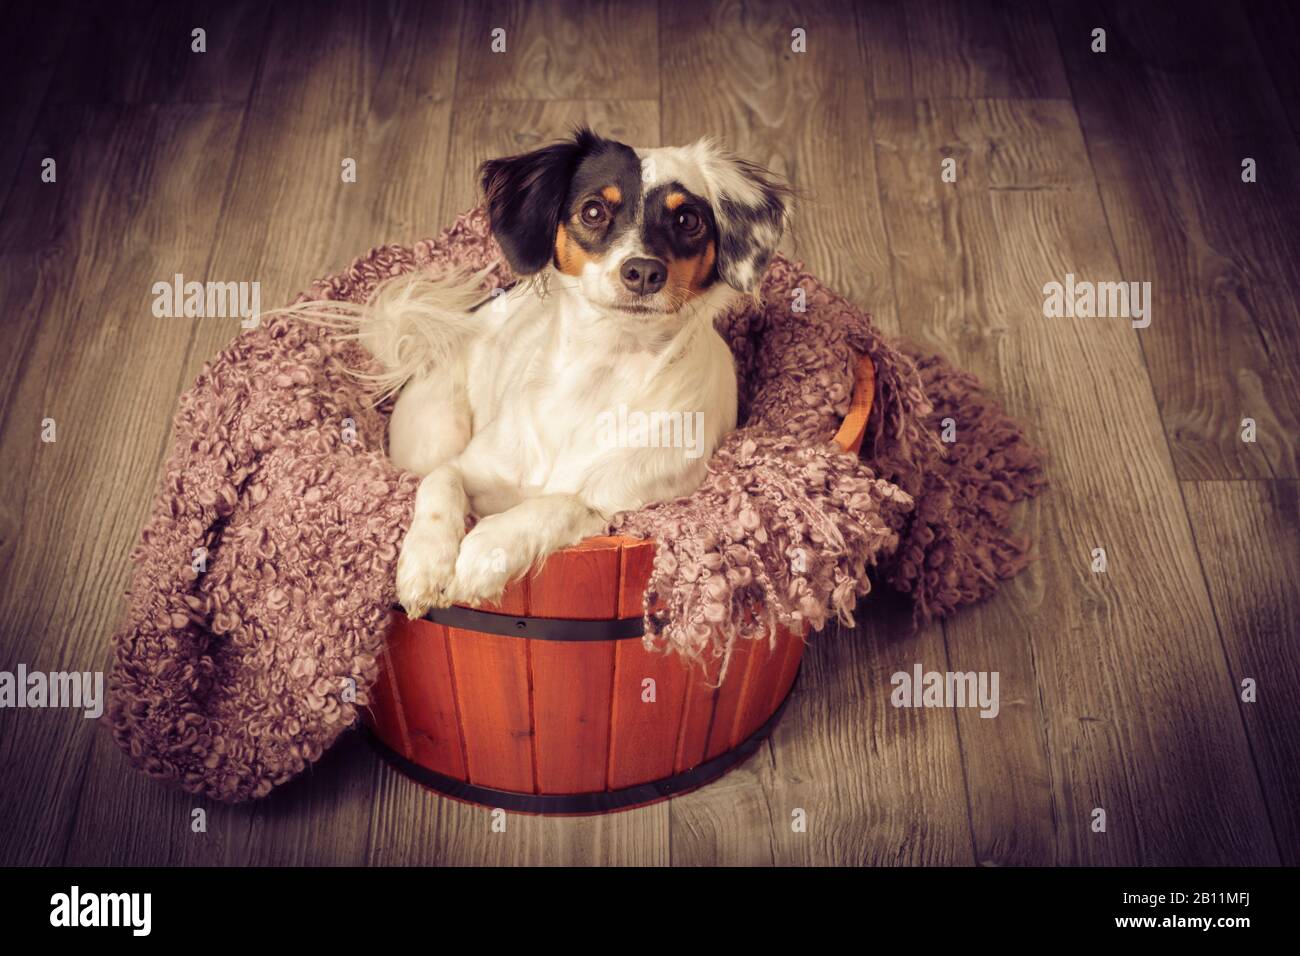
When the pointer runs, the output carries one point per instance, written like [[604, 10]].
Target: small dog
[[507, 406]]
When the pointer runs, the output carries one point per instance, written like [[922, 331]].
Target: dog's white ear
[[751, 206]]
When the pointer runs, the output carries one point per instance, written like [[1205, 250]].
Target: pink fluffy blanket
[[263, 581]]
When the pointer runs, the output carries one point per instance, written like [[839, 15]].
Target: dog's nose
[[643, 276]]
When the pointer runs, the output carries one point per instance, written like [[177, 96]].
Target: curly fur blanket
[[263, 581]]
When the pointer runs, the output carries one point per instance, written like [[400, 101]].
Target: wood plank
[[696, 722], [646, 718], [791, 665], [636, 564], [959, 48], [1169, 113], [513, 601], [43, 226], [999, 145], [746, 661], [496, 722], [1095, 649], [561, 50], [384, 715], [579, 583], [789, 112], [766, 688], [1248, 535], [420, 657], [645, 729], [572, 681]]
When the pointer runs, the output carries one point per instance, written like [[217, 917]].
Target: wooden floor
[[1120, 690]]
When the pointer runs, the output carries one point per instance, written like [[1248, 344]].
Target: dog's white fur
[[499, 408]]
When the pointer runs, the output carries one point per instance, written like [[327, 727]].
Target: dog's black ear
[[751, 206], [525, 198]]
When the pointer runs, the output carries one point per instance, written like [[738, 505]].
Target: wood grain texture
[[572, 682], [587, 716], [410, 826], [1120, 734], [1248, 535], [1169, 113], [951, 49], [765, 681], [643, 713], [384, 712], [566, 50], [424, 687], [498, 728]]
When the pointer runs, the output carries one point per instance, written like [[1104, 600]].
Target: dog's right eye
[[594, 214]]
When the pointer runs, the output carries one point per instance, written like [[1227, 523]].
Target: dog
[[625, 257]]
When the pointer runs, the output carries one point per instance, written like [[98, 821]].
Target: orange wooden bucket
[[549, 703]]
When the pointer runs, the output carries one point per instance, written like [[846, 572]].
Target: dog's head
[[643, 232]]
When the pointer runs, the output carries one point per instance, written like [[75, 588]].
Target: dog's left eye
[[593, 213], [688, 220]]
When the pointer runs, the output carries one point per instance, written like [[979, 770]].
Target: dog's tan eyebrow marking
[[612, 194], [673, 200]]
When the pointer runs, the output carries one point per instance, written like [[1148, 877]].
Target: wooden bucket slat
[[638, 559], [423, 682], [795, 645], [386, 713], [697, 716], [758, 698], [643, 736], [493, 701], [572, 681], [513, 601], [571, 698], [578, 583], [731, 695]]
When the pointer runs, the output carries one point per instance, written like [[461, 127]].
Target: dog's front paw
[[426, 568], [484, 566]]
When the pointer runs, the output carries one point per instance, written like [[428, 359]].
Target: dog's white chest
[[548, 426]]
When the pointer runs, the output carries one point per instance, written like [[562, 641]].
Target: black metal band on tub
[[603, 801], [537, 628]]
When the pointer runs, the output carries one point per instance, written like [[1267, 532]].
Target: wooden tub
[[549, 703]]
